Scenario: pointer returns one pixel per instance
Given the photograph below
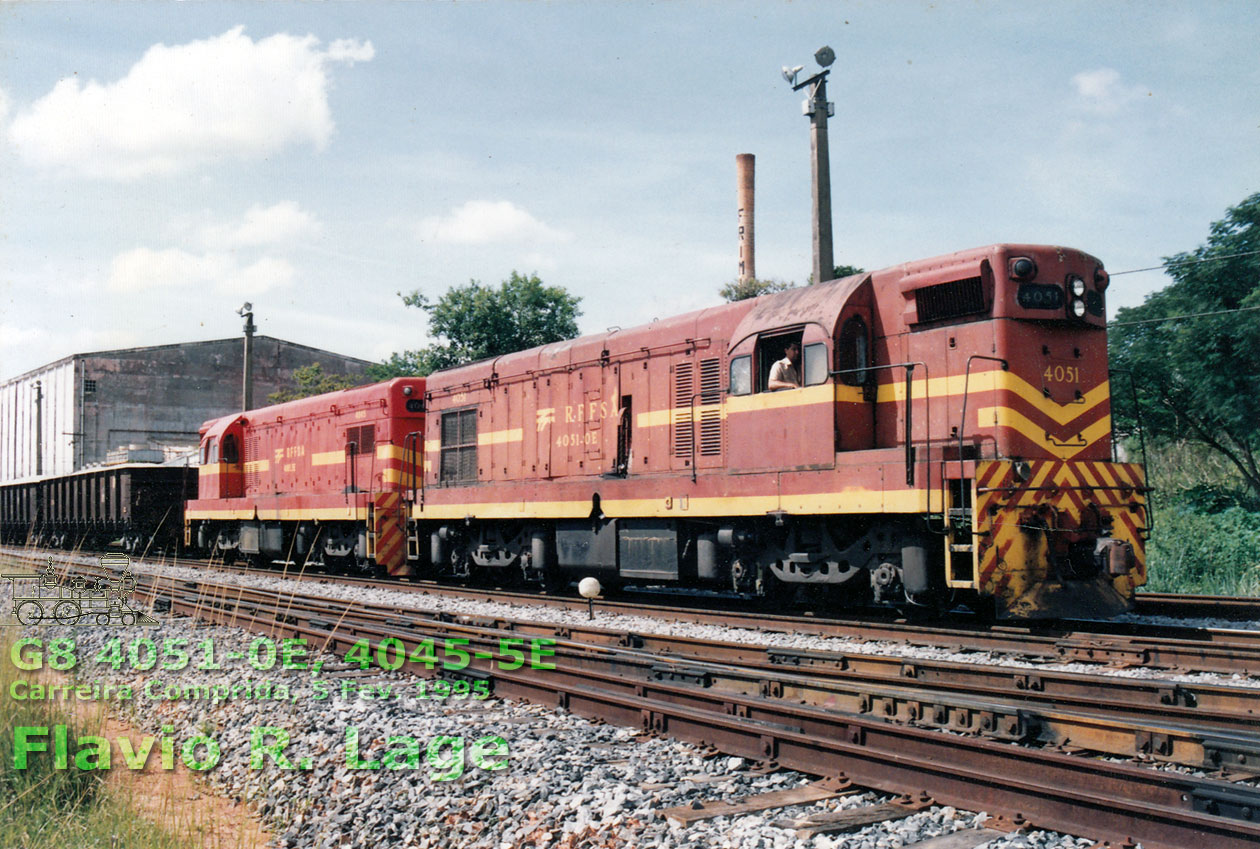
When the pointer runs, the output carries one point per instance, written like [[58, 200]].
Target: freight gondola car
[[137, 505]]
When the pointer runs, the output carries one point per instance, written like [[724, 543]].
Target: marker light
[[1078, 308], [1023, 268], [1077, 285]]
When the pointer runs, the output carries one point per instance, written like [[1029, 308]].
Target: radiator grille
[[950, 300], [684, 388], [710, 417]]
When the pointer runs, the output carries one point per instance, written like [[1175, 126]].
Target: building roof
[[129, 352]]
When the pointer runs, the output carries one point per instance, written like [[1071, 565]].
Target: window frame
[[745, 361], [805, 361], [459, 449]]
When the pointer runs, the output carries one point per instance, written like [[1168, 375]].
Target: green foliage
[[311, 380], [475, 321], [1214, 553], [837, 272], [1204, 539], [739, 290], [1198, 378]]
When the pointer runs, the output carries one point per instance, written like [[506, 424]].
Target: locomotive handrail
[[352, 451], [909, 428], [413, 439], [962, 427], [1141, 430], [696, 343]]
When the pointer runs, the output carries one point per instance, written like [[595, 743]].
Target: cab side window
[[816, 370], [773, 349], [741, 376]]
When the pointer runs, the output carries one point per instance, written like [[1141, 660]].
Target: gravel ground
[[405, 600], [568, 782]]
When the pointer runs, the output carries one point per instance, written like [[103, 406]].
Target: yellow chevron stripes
[[1017, 421]]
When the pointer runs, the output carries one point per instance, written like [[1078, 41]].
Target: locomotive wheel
[[30, 612], [67, 612], [102, 619]]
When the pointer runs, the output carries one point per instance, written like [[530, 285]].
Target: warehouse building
[[139, 404]]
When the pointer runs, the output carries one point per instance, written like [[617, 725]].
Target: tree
[[751, 287], [1193, 348], [475, 321], [311, 380], [738, 290]]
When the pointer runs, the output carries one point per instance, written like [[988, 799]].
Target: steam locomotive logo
[[78, 600]]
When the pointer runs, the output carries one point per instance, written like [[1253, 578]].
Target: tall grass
[[46, 808], [1206, 536]]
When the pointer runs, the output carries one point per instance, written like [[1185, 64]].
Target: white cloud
[[1102, 91], [350, 51], [184, 105], [483, 222], [281, 223], [4, 106], [17, 336], [143, 269]]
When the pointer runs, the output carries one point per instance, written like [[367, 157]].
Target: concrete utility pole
[[745, 165], [818, 110], [247, 388]]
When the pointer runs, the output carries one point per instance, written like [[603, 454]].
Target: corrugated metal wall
[[18, 421]]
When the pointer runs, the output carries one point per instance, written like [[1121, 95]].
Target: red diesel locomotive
[[950, 441], [318, 479]]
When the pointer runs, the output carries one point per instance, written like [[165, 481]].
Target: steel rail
[[1206, 606], [1162, 647], [1110, 725], [1103, 800]]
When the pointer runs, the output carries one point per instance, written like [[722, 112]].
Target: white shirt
[[785, 371]]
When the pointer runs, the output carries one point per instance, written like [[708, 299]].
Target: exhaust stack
[[744, 166]]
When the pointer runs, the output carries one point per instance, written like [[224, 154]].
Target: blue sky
[[161, 163]]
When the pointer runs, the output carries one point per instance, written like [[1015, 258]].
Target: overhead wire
[[1187, 315]]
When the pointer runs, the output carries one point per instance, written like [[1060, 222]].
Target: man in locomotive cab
[[784, 373]]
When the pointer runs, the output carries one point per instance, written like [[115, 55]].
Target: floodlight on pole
[[247, 382], [818, 110]]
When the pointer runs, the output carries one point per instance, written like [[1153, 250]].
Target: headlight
[[1078, 308], [1077, 285]]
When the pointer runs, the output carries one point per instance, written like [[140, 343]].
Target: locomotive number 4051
[[1062, 374]]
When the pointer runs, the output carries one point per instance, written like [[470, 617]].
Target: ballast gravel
[[568, 782], [411, 600]]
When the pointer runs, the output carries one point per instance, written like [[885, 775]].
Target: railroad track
[[873, 722], [1205, 606], [1185, 649]]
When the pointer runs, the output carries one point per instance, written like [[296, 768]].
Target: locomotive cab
[[221, 473]]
